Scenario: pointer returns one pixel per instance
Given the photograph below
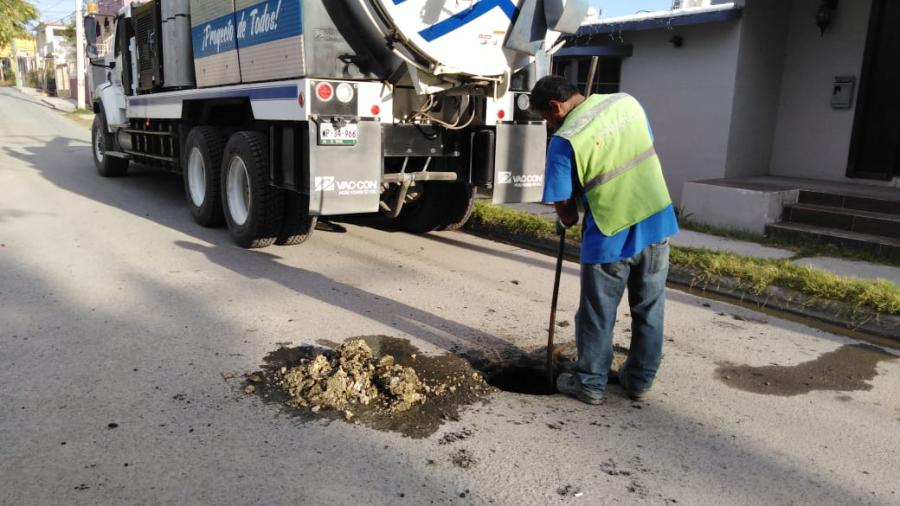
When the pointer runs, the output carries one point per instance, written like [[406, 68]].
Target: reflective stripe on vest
[[618, 171], [578, 124], [618, 168]]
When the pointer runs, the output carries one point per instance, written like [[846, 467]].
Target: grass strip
[[80, 116], [756, 274], [503, 219], [751, 274]]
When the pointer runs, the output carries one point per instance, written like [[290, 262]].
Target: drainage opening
[[521, 380]]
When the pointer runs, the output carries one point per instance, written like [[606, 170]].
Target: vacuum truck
[[277, 112]]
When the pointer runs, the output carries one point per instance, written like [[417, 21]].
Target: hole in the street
[[521, 380]]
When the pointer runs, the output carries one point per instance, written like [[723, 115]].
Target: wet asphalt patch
[[848, 368]]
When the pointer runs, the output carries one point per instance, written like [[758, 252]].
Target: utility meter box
[[842, 92]]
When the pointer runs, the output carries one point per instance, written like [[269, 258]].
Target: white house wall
[[812, 140], [688, 94], [764, 30]]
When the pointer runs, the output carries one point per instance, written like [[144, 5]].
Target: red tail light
[[324, 91]]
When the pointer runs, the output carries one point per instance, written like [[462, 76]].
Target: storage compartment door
[[178, 59], [270, 39], [214, 37]]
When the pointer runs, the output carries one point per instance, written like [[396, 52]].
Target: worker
[[602, 154]]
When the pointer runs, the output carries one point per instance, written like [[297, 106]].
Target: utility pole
[[79, 53]]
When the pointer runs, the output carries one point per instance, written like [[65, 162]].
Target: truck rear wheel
[[298, 225], [101, 142], [254, 210], [441, 206], [202, 162], [459, 200]]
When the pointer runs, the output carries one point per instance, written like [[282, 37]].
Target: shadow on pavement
[[158, 196]]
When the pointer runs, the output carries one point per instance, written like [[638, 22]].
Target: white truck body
[[363, 105]]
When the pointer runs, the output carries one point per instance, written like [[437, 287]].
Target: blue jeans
[[602, 286]]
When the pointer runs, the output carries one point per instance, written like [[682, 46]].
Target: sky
[[52, 10], [616, 8]]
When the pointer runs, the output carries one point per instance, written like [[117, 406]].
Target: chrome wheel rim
[[98, 144], [237, 189], [196, 175]]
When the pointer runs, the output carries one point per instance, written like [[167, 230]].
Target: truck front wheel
[[254, 210], [202, 162], [101, 142]]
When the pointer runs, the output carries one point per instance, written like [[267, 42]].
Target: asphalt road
[[115, 308]]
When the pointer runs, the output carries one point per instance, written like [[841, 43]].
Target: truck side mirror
[[90, 35]]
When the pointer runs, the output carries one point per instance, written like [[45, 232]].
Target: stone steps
[[847, 221], [850, 220]]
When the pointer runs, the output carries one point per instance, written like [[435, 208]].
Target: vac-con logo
[[357, 187], [520, 180]]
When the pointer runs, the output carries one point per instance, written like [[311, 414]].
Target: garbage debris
[[377, 381], [352, 376]]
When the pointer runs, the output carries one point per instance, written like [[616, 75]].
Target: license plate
[[341, 136]]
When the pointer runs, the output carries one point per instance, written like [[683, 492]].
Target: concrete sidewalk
[[687, 238], [60, 104]]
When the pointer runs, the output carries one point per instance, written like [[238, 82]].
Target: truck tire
[[297, 225], [201, 163], [253, 209], [459, 201], [101, 142], [442, 206]]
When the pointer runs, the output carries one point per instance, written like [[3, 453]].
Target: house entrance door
[[875, 149]]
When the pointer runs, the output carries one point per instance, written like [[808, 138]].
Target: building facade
[[17, 60], [54, 55], [758, 90]]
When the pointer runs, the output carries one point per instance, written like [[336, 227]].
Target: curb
[[44, 100], [774, 298], [54, 106], [845, 318]]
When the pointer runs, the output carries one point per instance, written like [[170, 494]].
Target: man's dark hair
[[551, 88]]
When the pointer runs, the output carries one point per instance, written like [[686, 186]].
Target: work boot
[[632, 394], [567, 383]]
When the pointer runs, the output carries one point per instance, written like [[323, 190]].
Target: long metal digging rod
[[559, 261]]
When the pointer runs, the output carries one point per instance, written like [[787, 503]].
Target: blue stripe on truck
[[465, 17], [264, 22]]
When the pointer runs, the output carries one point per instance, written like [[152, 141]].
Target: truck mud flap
[[345, 179], [520, 153]]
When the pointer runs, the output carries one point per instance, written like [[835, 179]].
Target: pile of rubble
[[351, 376]]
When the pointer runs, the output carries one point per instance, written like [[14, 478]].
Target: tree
[[14, 15]]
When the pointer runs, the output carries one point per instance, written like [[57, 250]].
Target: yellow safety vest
[[617, 165]]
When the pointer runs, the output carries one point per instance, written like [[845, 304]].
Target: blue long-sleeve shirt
[[597, 248]]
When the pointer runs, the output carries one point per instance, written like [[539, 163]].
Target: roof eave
[[666, 20]]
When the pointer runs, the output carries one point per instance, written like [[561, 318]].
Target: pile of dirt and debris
[[381, 382], [352, 376]]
